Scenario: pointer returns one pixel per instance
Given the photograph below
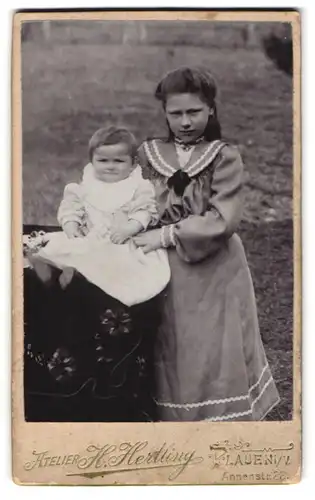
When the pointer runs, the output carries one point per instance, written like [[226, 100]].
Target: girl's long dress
[[211, 363]]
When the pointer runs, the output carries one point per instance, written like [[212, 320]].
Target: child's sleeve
[[71, 208], [199, 236], [143, 207]]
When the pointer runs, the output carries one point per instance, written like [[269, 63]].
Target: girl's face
[[112, 163], [187, 116]]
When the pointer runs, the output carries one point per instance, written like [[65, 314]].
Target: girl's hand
[[72, 230], [151, 240]]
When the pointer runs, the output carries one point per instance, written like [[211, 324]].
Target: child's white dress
[[122, 271]]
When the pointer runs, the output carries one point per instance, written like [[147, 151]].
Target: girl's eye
[[189, 112]]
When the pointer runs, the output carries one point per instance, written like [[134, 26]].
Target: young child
[[99, 218]]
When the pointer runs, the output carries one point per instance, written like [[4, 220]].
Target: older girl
[[211, 363]]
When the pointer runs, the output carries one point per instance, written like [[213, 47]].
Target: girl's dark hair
[[192, 81], [112, 135]]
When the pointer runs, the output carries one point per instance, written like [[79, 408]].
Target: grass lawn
[[269, 251]]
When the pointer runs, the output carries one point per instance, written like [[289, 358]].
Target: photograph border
[[204, 445]]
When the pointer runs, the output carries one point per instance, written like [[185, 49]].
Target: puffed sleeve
[[71, 208], [200, 236], [143, 207]]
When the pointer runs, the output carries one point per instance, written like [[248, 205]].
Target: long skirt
[[210, 360]]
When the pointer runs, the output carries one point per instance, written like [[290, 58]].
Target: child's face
[[112, 163], [187, 116]]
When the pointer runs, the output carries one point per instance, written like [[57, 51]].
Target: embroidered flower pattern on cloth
[[115, 322], [39, 358], [142, 365], [91, 353], [61, 365], [112, 324]]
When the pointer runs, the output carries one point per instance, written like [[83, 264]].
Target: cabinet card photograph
[[156, 247]]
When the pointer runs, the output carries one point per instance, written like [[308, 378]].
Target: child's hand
[[120, 235], [149, 241], [73, 230]]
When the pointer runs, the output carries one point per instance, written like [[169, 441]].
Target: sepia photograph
[[156, 248], [157, 220]]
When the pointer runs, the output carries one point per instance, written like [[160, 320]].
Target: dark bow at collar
[[179, 181]]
